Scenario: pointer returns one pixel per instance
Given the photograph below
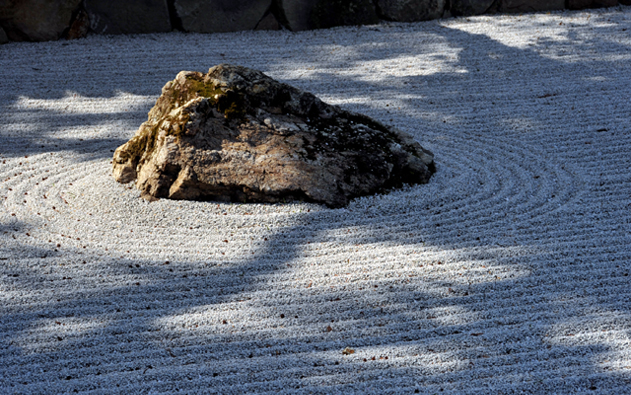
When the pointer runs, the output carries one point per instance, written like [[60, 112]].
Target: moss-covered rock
[[234, 134]]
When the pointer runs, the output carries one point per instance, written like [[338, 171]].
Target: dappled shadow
[[326, 64], [230, 323], [264, 320], [28, 130]]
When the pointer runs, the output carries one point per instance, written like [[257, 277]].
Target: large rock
[[128, 17], [411, 10], [315, 14], [209, 16], [36, 20], [235, 134], [470, 7], [519, 6]]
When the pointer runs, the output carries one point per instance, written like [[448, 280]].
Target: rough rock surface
[[470, 7], [209, 16], [235, 134], [128, 17], [36, 20], [411, 10], [518, 6], [315, 14], [80, 26]]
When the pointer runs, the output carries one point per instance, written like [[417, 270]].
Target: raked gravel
[[507, 273]]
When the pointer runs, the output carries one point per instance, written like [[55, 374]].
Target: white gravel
[[507, 273]]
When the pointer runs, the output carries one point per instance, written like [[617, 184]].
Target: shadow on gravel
[[71, 67], [182, 325], [43, 131], [406, 333]]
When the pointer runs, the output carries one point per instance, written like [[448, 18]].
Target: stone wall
[[43, 20]]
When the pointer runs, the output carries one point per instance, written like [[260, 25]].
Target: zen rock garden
[[235, 134], [43, 20]]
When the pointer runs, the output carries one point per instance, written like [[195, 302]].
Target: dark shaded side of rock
[[519, 6], [3, 37], [470, 7], [128, 17], [269, 22], [36, 20], [330, 13], [582, 4], [411, 10], [299, 15], [296, 14], [210, 16], [79, 27], [235, 134]]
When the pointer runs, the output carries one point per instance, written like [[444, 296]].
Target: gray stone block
[[210, 16], [36, 20], [128, 16], [411, 10], [470, 7], [518, 6]]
